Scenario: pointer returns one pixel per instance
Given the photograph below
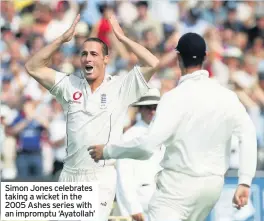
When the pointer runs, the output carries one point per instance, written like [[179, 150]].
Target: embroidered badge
[[103, 101]]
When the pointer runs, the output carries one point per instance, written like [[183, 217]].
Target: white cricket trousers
[[181, 197], [145, 194], [105, 176]]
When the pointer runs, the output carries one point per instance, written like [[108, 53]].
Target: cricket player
[[136, 178], [195, 121], [95, 105]]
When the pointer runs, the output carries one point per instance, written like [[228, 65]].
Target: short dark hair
[[103, 6], [104, 45], [142, 3], [189, 62]]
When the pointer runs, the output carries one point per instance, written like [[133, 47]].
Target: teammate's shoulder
[[175, 92], [227, 91], [171, 96], [228, 96]]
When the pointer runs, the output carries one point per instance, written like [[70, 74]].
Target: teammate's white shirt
[[136, 178], [195, 121], [98, 117]]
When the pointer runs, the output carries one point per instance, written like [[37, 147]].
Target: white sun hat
[[150, 98]]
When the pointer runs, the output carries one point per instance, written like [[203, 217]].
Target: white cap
[[150, 98]]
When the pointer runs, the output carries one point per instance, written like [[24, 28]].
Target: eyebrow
[[85, 51]]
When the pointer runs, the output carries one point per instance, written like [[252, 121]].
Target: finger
[[244, 201], [76, 20], [111, 17], [236, 206], [92, 154], [237, 200], [91, 151], [113, 20], [90, 148]]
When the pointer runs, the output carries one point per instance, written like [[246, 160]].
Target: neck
[[94, 84], [190, 70], [57, 112], [143, 17], [146, 121]]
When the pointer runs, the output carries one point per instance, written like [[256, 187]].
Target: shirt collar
[[195, 75], [107, 78], [142, 123], [80, 74]]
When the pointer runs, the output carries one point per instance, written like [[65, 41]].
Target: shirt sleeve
[[58, 89], [162, 128], [245, 131], [134, 86], [126, 193]]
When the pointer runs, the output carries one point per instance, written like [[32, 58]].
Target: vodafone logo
[[77, 95]]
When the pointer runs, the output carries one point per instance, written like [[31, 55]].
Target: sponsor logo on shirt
[[76, 96]]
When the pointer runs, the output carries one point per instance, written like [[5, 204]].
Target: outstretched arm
[[245, 131], [145, 56], [37, 66], [142, 148]]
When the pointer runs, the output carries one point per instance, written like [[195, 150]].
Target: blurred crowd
[[32, 122]]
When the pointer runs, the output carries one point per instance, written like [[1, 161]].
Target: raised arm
[[145, 56], [37, 66]]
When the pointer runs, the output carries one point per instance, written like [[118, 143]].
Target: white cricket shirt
[[195, 121], [98, 117]]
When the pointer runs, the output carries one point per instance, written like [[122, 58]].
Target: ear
[[106, 59]]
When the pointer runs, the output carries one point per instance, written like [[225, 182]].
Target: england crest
[[103, 103]]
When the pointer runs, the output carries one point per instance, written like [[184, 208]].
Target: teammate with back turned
[[195, 121], [95, 105]]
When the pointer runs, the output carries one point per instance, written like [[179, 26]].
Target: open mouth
[[89, 68]]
